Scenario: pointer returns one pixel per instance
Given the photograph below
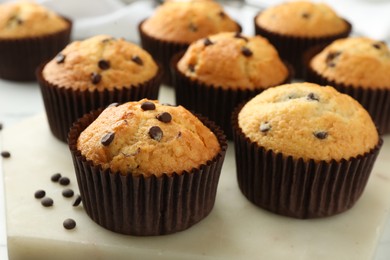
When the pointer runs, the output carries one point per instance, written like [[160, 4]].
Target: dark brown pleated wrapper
[[298, 188], [376, 100], [65, 105], [163, 51], [146, 206], [211, 101], [19, 58], [292, 48]]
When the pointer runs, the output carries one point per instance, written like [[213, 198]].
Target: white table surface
[[19, 101]]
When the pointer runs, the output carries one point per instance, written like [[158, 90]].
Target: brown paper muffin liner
[[297, 188], [65, 105], [146, 206], [375, 100], [19, 58], [211, 101], [292, 48], [163, 51]]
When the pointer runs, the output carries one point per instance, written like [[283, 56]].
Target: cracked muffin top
[[356, 61], [28, 19], [232, 60], [308, 121], [148, 138], [100, 62], [187, 21], [302, 18]]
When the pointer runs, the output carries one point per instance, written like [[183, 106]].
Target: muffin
[[219, 72], [293, 27], [359, 67], [92, 74], [303, 150], [29, 35], [176, 24], [147, 169]]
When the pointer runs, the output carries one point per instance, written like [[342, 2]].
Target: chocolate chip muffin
[[29, 35], [217, 73], [293, 27], [358, 66], [157, 167], [92, 74], [303, 150], [176, 24]]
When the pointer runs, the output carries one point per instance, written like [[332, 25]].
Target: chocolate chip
[[95, 78], [137, 60], [69, 223], [164, 117], [246, 52], [108, 40], [238, 35], [60, 58], [191, 67], [312, 96], [222, 14], [207, 42], [306, 15], [55, 177], [64, 181], [47, 202], [156, 133], [178, 135], [321, 134], [67, 193], [5, 154], [192, 27], [77, 201], [104, 64], [115, 104], [148, 106], [107, 138], [1, 126], [39, 194], [377, 45], [331, 57], [265, 127]]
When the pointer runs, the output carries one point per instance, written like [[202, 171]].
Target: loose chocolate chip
[[191, 67], [312, 96], [39, 194], [207, 42], [306, 15], [107, 138], [69, 223], [321, 134], [331, 57], [164, 117], [265, 127], [1, 126], [47, 202], [113, 105], [60, 58], [238, 35], [55, 177], [95, 78], [137, 60], [5, 154], [148, 106], [246, 52], [192, 27], [104, 64], [67, 193], [77, 201], [156, 133], [64, 181]]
